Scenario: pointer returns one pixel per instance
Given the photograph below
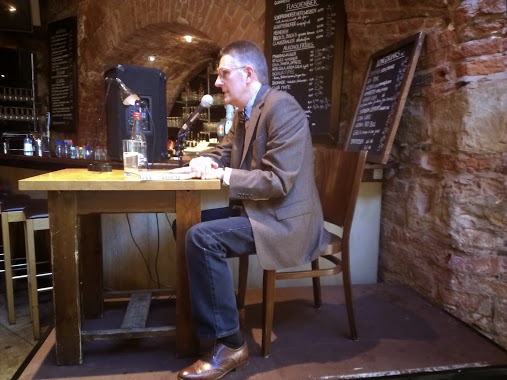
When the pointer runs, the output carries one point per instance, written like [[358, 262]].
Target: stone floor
[[16, 340]]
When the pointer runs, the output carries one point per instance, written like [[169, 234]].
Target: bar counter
[[52, 163], [48, 163]]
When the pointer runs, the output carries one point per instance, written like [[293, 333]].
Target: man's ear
[[249, 71]]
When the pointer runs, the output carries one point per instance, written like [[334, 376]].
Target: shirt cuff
[[227, 175]]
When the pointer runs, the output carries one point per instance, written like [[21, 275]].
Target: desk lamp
[[128, 97]]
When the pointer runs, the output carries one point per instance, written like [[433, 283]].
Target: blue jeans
[[208, 246]]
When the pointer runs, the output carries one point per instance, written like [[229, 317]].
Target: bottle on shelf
[[59, 149], [73, 151], [87, 153], [66, 149], [28, 146], [97, 153], [38, 147]]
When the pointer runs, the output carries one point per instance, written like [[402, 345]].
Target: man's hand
[[206, 168]]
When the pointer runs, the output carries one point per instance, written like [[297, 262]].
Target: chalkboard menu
[[304, 47], [383, 96], [63, 74]]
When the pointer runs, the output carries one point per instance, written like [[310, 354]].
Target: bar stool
[[36, 219], [11, 211]]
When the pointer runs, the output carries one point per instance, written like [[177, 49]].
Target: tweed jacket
[[273, 175]]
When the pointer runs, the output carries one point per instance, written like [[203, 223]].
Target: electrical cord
[[157, 280]]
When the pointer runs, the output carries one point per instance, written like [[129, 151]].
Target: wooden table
[[76, 198]]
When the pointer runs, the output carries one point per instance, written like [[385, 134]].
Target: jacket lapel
[[251, 123]]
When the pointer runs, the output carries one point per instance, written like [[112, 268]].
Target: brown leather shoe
[[216, 364]]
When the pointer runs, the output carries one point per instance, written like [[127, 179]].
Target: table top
[[85, 180]]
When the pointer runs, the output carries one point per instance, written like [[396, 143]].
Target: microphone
[[206, 102]]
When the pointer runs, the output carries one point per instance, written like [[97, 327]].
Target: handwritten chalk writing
[[384, 92], [302, 55], [63, 78], [302, 4], [391, 57]]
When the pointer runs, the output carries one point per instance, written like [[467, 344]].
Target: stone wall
[[444, 208]]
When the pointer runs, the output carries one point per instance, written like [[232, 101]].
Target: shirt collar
[[248, 107]]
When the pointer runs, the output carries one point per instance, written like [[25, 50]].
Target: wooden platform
[[400, 336]]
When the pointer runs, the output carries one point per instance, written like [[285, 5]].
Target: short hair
[[247, 53]]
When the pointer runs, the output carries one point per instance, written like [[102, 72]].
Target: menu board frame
[[328, 133], [62, 43], [365, 133]]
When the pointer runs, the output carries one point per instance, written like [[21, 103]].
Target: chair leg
[[347, 289], [268, 305], [317, 294], [32, 277], [242, 285], [242, 281]]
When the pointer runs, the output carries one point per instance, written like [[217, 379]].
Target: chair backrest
[[338, 175]]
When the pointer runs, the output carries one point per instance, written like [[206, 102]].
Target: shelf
[[16, 94], [190, 98], [17, 104]]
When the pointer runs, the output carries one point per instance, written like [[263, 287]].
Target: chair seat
[[14, 202], [36, 209]]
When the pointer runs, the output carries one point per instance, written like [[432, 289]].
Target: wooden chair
[[338, 176], [36, 219]]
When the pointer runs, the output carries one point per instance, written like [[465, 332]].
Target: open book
[[168, 174]]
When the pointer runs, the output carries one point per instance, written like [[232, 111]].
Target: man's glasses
[[224, 73]]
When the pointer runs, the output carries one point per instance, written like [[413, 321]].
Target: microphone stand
[[180, 145]]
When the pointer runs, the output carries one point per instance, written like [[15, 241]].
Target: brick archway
[[127, 31]]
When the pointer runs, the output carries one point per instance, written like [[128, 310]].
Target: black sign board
[[383, 97], [304, 47], [63, 74]]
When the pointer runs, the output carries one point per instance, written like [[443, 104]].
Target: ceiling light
[[12, 8], [151, 58], [188, 38]]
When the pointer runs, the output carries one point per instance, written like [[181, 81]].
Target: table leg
[[188, 213], [63, 221], [91, 272]]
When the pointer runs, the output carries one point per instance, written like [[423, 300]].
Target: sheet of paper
[[169, 174]]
